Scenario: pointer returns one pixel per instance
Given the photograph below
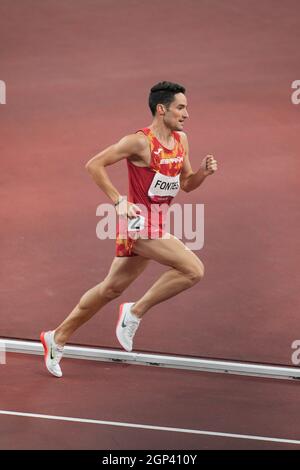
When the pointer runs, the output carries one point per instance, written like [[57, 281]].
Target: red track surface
[[146, 396], [78, 74], [77, 77]]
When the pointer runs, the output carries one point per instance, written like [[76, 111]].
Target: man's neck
[[163, 133]]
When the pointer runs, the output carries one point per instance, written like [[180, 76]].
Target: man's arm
[[128, 146], [189, 180]]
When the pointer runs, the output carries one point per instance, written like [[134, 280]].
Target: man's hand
[[127, 209], [209, 165]]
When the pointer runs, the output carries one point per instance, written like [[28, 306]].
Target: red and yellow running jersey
[[153, 188], [159, 182]]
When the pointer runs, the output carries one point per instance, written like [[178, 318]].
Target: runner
[[158, 166]]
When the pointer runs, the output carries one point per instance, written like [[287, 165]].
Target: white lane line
[[154, 428]]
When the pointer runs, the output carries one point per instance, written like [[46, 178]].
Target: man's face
[[175, 116]]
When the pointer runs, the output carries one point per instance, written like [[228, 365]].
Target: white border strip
[[153, 428], [179, 362]]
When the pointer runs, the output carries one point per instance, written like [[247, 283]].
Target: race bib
[[136, 224], [164, 186]]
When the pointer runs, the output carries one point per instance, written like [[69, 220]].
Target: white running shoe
[[53, 353], [127, 325]]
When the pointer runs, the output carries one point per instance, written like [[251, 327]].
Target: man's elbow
[[185, 189], [98, 161], [90, 166], [182, 187]]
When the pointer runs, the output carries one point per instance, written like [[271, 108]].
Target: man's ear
[[161, 110]]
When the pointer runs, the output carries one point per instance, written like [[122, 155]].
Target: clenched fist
[[209, 165]]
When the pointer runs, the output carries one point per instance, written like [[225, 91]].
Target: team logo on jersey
[[166, 161]]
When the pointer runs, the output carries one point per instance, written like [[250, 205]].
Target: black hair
[[163, 93]]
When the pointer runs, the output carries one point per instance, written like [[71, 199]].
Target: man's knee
[[196, 272]]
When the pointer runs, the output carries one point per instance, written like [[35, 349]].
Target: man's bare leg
[[186, 270], [122, 273]]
